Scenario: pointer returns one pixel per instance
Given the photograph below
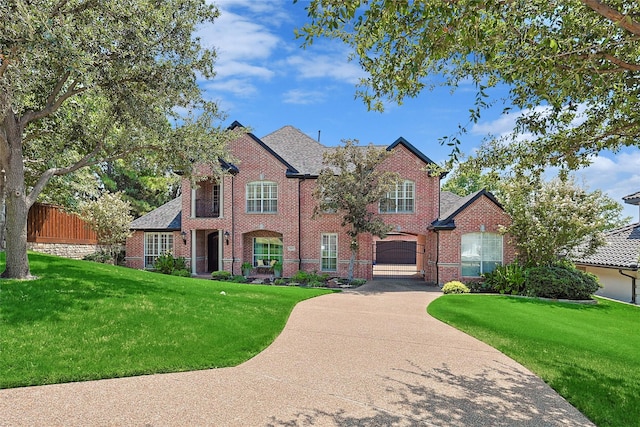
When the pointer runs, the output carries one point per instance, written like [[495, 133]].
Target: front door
[[213, 255]]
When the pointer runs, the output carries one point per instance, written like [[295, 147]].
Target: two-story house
[[261, 211]]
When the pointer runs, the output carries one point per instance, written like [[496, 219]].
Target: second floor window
[[400, 199], [262, 197]]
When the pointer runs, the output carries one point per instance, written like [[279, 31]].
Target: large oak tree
[[571, 67], [83, 82]]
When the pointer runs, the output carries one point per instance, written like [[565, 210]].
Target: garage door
[[396, 252]]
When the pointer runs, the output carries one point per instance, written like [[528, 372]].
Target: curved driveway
[[371, 357]]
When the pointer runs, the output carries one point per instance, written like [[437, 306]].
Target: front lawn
[[82, 320], [590, 354]]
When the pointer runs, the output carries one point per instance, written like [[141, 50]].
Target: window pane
[[267, 249], [329, 252], [262, 197], [400, 199], [480, 253], [471, 269]]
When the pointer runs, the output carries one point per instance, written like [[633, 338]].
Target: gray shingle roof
[[451, 205], [300, 150], [450, 202], [622, 249], [166, 217]]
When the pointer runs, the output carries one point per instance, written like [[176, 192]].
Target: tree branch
[[54, 101], [613, 15], [5, 60]]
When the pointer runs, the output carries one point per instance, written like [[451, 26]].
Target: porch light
[[226, 237], [184, 236]]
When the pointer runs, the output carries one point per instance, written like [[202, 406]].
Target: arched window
[[262, 197], [399, 200], [480, 253]]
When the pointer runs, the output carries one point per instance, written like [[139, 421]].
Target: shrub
[[99, 256], [221, 275], [316, 284], [560, 281], [280, 282], [357, 282], [455, 287], [507, 279], [239, 279], [485, 287], [301, 276], [167, 264], [181, 273]]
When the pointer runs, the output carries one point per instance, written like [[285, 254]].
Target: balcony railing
[[207, 208]]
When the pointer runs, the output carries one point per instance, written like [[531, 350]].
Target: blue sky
[[265, 80]]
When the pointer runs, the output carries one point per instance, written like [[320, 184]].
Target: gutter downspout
[[633, 282], [233, 225]]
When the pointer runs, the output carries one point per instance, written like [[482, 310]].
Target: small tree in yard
[[110, 217], [349, 185], [555, 218]]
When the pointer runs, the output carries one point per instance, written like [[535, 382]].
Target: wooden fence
[[50, 224]]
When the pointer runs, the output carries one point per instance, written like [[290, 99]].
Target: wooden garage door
[[396, 252]]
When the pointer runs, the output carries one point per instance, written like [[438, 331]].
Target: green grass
[[590, 354], [82, 320]]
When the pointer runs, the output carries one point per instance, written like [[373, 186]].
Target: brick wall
[[482, 212], [301, 234]]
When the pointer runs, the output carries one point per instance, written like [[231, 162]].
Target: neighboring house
[[261, 211], [616, 263]]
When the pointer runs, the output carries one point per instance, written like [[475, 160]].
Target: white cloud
[[238, 87], [334, 66], [617, 175], [237, 68], [302, 97], [505, 124]]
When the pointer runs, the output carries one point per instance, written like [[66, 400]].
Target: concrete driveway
[[369, 357]]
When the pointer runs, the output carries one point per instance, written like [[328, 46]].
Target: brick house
[[261, 211]]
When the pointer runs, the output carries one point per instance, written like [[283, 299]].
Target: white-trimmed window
[[262, 197], [399, 200], [267, 251], [481, 253], [329, 252], [156, 244]]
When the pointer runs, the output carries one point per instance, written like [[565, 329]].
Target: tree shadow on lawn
[[438, 396], [62, 286]]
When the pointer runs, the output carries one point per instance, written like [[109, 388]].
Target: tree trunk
[[17, 207], [352, 262]]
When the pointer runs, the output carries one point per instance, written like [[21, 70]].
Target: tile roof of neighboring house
[[300, 150], [632, 199], [450, 207], [622, 249], [166, 217]]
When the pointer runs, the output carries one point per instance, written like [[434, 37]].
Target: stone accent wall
[[66, 250]]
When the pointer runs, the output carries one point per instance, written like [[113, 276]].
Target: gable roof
[[305, 155], [451, 205], [302, 152], [622, 249], [290, 168], [167, 217], [414, 150], [632, 199]]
